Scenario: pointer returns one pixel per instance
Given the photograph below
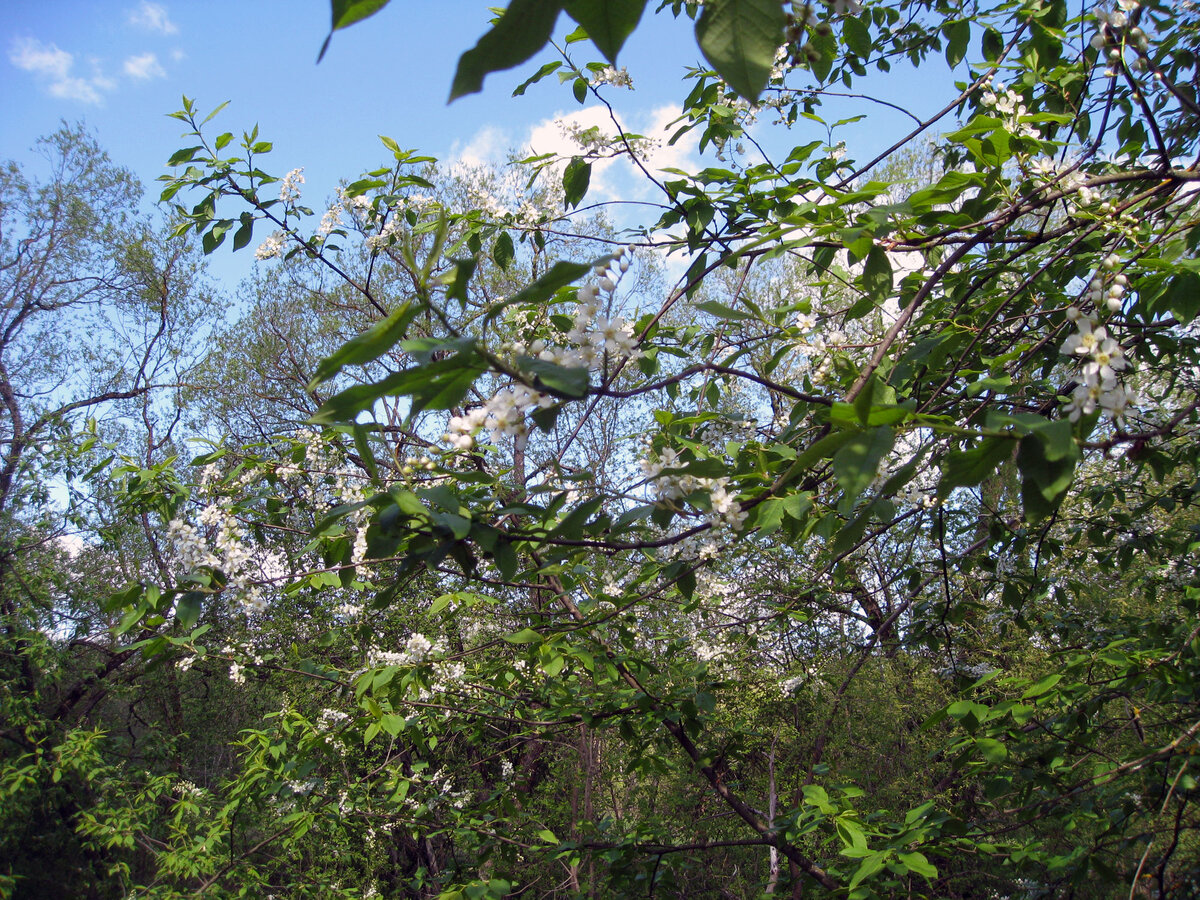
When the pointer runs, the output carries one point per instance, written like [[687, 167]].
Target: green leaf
[[857, 462], [368, 346], [607, 22], [917, 862], [188, 608], [347, 12], [867, 868], [992, 750], [877, 275], [503, 251], [524, 636], [440, 384], [560, 275], [344, 13], [521, 31], [967, 468], [536, 77], [570, 384], [993, 44], [739, 39], [1182, 297], [1046, 460], [958, 37], [1042, 685], [576, 178], [856, 35], [721, 311]]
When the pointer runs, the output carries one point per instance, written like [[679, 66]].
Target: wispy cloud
[[153, 17], [144, 67], [53, 66]]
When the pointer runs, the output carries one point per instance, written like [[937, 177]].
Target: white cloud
[[144, 67], [42, 59], [53, 66], [153, 17], [486, 148], [616, 178]]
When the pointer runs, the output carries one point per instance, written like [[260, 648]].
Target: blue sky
[[122, 65]]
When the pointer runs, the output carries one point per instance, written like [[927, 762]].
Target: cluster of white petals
[[1102, 358], [614, 76], [416, 650], [593, 342], [271, 247], [1011, 106], [723, 505], [289, 189]]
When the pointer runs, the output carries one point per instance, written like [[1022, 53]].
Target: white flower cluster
[[1011, 105], [289, 189], [614, 76], [333, 216], [188, 790], [271, 247], [416, 650], [1103, 358], [595, 341], [394, 220], [841, 7], [232, 556], [723, 505], [331, 719], [914, 495], [1112, 30]]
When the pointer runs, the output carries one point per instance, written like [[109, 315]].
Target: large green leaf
[[857, 463], [440, 384], [576, 178], [554, 379], [520, 32], [1046, 460], [607, 22], [368, 346], [739, 39], [560, 275], [344, 13], [347, 12]]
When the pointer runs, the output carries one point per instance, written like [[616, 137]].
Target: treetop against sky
[[121, 67], [853, 551]]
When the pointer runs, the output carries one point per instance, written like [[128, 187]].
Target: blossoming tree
[[860, 558]]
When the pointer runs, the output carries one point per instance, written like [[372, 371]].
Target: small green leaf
[[188, 608], [569, 384], [524, 636], [439, 384], [877, 275], [503, 251], [958, 37], [867, 868], [576, 177], [917, 862], [993, 44], [1042, 685], [344, 13], [856, 35]]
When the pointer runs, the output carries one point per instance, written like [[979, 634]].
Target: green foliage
[[859, 559]]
